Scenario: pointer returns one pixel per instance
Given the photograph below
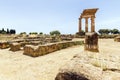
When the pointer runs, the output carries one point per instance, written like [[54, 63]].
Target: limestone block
[[91, 42], [15, 47], [35, 43], [51, 47], [31, 50], [43, 49]]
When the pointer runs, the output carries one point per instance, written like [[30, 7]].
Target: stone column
[[86, 24], [92, 24], [80, 24]]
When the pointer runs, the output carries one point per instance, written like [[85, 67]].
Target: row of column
[[86, 24]]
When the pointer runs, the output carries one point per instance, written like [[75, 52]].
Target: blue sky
[[47, 15]]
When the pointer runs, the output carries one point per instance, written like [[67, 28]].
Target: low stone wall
[[35, 51]]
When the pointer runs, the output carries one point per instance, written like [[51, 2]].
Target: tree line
[[54, 32], [108, 31], [8, 31]]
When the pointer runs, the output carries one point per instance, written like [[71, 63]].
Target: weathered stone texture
[[35, 51], [15, 46], [79, 71], [91, 42], [90, 66]]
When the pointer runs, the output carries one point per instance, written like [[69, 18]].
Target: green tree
[[55, 32], [81, 33], [12, 31], [3, 31], [100, 31], [115, 31], [104, 31], [33, 33], [8, 31], [41, 33], [23, 33]]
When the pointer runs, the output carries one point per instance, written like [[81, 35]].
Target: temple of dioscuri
[[91, 38]]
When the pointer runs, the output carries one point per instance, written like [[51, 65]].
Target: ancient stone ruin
[[39, 50], [91, 42], [91, 38], [15, 47]]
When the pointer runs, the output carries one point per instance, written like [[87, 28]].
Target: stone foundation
[[35, 51]]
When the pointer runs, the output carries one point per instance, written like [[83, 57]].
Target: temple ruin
[[88, 13], [91, 38]]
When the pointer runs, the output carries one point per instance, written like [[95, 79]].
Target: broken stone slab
[[15, 46]]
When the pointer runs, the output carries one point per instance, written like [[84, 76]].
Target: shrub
[[56, 32]]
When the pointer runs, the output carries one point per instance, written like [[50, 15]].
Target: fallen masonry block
[[31, 50], [15, 46]]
